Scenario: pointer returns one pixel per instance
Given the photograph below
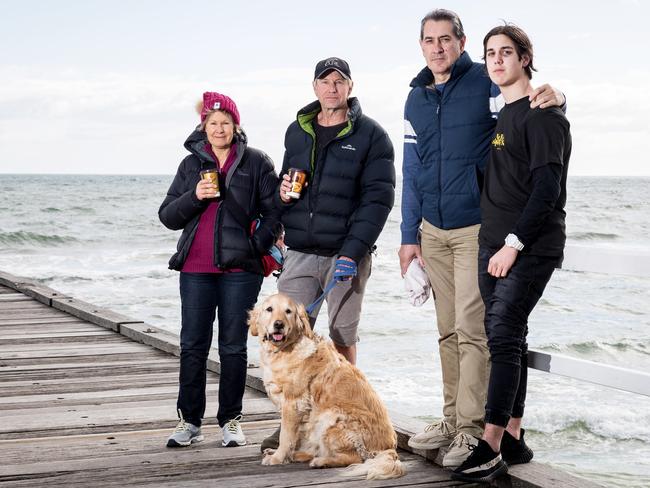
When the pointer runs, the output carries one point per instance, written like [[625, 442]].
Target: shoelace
[[182, 425], [444, 426], [233, 425], [461, 439]]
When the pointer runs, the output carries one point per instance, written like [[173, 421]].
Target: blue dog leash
[[310, 308], [344, 270]]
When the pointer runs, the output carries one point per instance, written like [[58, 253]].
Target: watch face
[[513, 241]]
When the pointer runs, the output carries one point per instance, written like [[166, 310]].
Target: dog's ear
[[303, 320], [252, 320]]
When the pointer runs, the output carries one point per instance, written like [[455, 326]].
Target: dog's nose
[[278, 324]]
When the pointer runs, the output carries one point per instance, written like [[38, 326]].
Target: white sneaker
[[459, 450], [232, 434], [435, 435]]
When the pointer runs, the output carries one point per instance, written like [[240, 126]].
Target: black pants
[[230, 295], [508, 303]]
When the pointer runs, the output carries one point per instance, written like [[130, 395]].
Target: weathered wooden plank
[[152, 336], [71, 326], [102, 337], [96, 315], [33, 312], [80, 397], [27, 451], [41, 293], [71, 384], [28, 305], [51, 319], [17, 351], [241, 468], [67, 370], [149, 424], [38, 291], [53, 362], [13, 297], [12, 281], [106, 415]]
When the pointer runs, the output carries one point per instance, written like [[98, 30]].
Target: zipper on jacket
[[440, 165], [343, 133]]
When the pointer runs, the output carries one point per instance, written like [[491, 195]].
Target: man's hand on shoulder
[[546, 96], [407, 253]]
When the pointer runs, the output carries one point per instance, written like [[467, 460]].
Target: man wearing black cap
[[332, 227]]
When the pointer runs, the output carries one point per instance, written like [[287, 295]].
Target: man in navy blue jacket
[[450, 115]]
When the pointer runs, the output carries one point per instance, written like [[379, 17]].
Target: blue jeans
[[230, 295], [508, 303]]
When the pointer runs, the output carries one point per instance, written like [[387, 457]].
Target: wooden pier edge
[[532, 475]]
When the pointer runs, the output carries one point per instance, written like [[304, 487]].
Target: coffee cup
[[212, 176], [298, 178]]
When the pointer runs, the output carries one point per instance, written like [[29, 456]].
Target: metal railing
[[609, 261]]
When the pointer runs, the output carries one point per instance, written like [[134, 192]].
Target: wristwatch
[[513, 241]]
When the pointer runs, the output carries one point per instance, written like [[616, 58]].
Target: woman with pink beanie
[[219, 260]]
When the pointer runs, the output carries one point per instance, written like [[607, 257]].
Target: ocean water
[[98, 238]]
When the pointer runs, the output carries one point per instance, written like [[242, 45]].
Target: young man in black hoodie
[[521, 242]]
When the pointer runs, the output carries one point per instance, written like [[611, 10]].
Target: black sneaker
[[515, 451], [272, 441], [483, 464]]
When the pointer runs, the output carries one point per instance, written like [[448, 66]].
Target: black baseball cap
[[326, 65]]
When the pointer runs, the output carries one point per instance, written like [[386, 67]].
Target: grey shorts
[[305, 276]]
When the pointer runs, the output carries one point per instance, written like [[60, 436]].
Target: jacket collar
[[197, 140], [425, 77]]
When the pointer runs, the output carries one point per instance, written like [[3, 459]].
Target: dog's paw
[[269, 451], [273, 459], [317, 462]]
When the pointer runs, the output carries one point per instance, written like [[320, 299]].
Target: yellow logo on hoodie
[[499, 141]]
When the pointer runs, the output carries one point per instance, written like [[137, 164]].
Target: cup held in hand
[[212, 176], [298, 179]]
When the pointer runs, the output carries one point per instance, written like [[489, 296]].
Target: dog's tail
[[384, 465]]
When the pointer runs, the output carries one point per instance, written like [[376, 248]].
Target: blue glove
[[345, 270]]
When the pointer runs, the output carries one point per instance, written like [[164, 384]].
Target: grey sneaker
[[184, 434], [232, 434], [459, 450], [435, 435]]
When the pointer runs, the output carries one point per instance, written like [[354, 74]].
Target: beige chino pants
[[451, 259]]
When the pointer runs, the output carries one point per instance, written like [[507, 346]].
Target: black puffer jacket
[[251, 181], [351, 187]]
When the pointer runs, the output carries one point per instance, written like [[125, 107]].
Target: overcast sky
[[109, 87]]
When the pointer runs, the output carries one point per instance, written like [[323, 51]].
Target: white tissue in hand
[[417, 284]]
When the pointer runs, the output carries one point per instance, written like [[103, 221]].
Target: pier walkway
[[87, 398]]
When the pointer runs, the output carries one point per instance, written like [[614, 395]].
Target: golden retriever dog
[[331, 416]]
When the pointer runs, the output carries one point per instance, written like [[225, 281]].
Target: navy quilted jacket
[[446, 148], [351, 187]]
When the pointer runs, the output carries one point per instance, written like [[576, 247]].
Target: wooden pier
[[87, 398]]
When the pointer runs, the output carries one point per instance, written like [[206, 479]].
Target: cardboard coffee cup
[[212, 176], [298, 179]]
